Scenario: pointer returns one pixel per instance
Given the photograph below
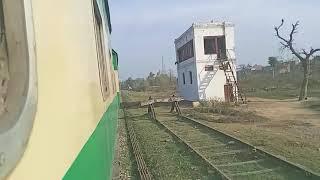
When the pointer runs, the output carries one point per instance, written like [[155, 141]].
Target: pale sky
[[144, 30]]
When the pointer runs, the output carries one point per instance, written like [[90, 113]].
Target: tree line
[[158, 81]]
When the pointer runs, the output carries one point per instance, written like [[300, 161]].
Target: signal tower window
[[210, 45], [215, 45], [186, 52], [101, 54], [208, 68], [190, 74], [184, 78]]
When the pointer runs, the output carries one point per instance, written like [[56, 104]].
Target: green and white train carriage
[[59, 94]]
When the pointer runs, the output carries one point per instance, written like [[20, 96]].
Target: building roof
[[212, 24], [202, 25]]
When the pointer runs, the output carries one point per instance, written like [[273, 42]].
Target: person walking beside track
[[172, 99], [175, 105]]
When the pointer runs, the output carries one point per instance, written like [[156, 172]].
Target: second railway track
[[158, 155], [232, 158]]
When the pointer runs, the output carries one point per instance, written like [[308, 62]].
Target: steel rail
[[143, 170], [308, 173], [222, 174]]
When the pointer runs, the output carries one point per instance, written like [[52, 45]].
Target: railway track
[[164, 156], [231, 157], [143, 170]]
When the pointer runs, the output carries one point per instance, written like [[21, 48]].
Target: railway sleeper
[[238, 157], [210, 146], [247, 167], [240, 163], [286, 167], [264, 171], [173, 132], [218, 148], [201, 141], [227, 153]]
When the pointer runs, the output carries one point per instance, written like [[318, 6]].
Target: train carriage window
[[14, 62], [108, 14], [114, 86], [101, 54], [18, 81], [115, 59], [4, 73]]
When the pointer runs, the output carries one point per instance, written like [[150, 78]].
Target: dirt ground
[[290, 116], [285, 112], [291, 131]]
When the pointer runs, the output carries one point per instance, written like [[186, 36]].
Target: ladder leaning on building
[[232, 84]]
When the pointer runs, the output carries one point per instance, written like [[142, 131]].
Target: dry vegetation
[[125, 160], [285, 128], [133, 96], [221, 112]]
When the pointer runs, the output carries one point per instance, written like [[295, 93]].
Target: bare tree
[[303, 55]]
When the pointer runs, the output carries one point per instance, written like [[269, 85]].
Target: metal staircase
[[226, 66], [204, 82]]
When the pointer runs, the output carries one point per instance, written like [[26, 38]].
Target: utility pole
[[163, 66]]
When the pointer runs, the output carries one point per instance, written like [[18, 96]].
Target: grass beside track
[[127, 167], [288, 141], [213, 146], [166, 158]]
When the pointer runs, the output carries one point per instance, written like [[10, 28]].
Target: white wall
[[184, 38], [211, 84], [206, 85], [188, 91], [199, 33], [230, 44]]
